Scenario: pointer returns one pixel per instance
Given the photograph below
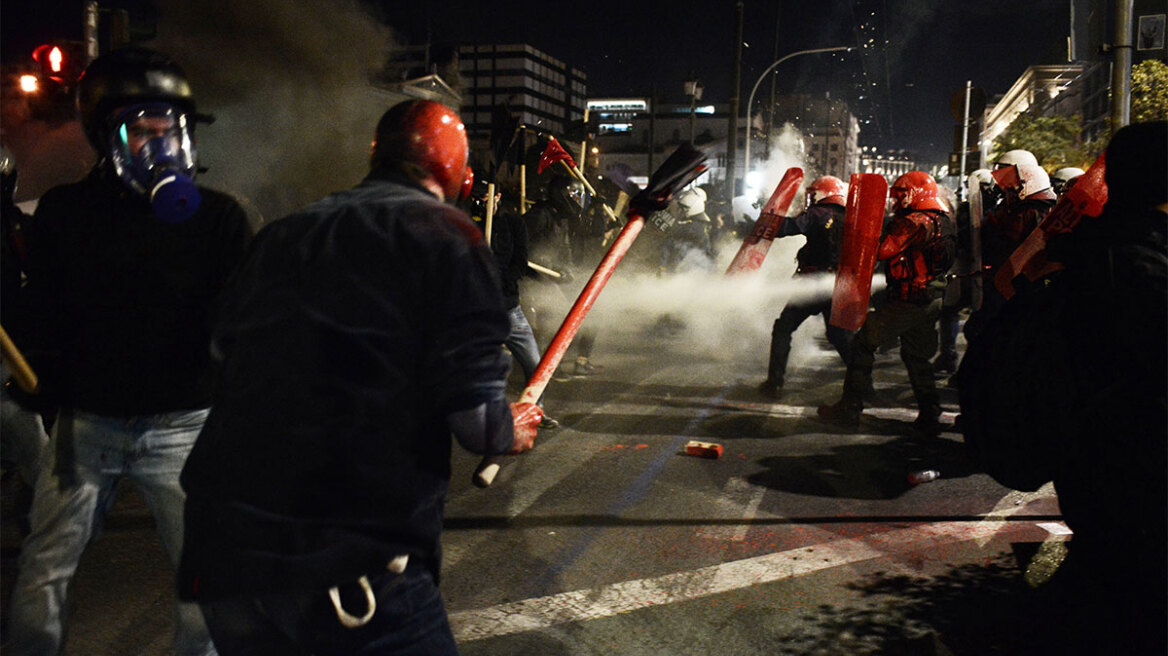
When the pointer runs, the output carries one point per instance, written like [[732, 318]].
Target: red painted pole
[[489, 467]]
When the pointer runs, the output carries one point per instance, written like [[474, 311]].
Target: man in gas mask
[[124, 268]]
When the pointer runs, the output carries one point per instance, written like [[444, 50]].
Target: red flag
[[552, 154]]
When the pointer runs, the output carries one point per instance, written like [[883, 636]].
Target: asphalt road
[[608, 539]]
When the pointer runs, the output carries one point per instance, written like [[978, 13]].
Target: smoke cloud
[[699, 309], [288, 85]]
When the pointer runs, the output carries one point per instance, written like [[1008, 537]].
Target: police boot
[[843, 413]]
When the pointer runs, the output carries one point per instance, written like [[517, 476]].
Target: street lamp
[[750, 99]]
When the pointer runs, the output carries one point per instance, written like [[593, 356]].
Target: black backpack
[[941, 251]]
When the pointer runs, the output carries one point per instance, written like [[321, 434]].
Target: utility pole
[[770, 126], [1121, 66], [732, 138], [652, 126], [89, 30]]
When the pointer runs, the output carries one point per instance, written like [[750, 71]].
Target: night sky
[[917, 53]]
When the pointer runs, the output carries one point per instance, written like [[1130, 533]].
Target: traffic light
[[48, 84], [61, 62], [50, 59]]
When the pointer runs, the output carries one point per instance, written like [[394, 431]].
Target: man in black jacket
[[359, 334], [124, 268]]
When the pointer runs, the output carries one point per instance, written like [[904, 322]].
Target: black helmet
[[128, 76], [567, 194]]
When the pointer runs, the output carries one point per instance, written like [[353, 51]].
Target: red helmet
[[425, 134], [827, 189], [916, 190]]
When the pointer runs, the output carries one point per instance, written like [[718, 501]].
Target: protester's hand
[[527, 417], [40, 402]]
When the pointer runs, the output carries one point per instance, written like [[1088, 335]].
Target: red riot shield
[[867, 197], [758, 242], [1085, 198], [976, 214]]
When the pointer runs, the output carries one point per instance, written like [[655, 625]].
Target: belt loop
[[351, 621]]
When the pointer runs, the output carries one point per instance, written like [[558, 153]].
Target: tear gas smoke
[[787, 150], [288, 85], [721, 318]]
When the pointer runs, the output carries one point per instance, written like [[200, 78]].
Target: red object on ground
[[703, 449]]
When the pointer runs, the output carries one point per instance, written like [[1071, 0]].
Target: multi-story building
[[543, 92], [889, 163], [626, 127], [1062, 89], [831, 133]]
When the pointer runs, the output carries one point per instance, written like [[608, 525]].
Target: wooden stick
[[544, 270], [490, 211], [523, 189], [24, 375]]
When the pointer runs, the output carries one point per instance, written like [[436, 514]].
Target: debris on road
[[703, 449]]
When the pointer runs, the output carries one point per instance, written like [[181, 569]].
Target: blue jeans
[[521, 342], [409, 620], [70, 505], [22, 435]]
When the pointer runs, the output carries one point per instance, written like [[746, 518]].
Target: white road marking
[[1056, 528], [737, 486], [741, 498], [1015, 501], [626, 596], [787, 410]]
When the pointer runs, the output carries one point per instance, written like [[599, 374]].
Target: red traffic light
[[51, 60]]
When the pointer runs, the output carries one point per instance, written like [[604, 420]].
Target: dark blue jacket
[[822, 224]]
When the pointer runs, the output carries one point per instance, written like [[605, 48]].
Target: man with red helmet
[[822, 223], [918, 248], [361, 332]]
